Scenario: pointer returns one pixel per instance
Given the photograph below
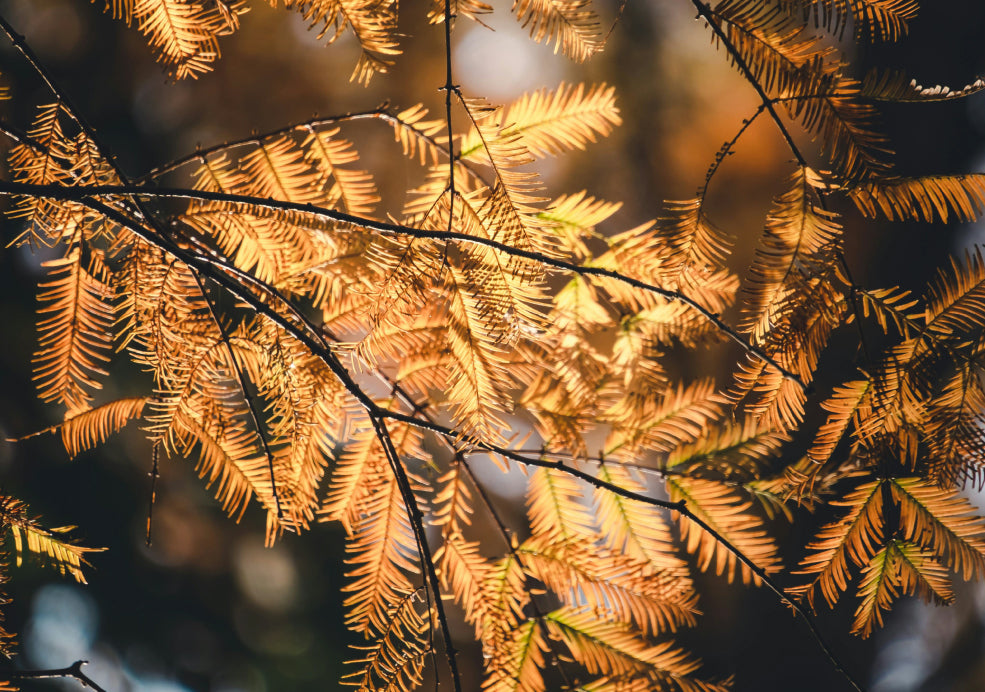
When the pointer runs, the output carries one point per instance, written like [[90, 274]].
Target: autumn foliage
[[327, 362]]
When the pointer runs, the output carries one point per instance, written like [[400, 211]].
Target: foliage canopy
[[333, 362]]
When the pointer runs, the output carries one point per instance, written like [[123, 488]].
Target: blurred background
[[207, 607]]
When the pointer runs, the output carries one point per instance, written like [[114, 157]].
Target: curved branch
[[72, 671], [427, 561], [83, 193], [706, 13]]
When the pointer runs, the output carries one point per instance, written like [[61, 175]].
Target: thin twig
[[250, 404], [81, 193], [204, 152], [705, 11], [72, 671], [726, 149], [427, 561], [154, 475], [448, 88]]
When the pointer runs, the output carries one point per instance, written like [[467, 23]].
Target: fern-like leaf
[[613, 649], [516, 667], [30, 536], [77, 313], [899, 568], [726, 511], [571, 25]]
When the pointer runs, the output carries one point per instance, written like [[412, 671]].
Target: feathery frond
[[726, 511], [899, 568], [571, 25], [66, 557]]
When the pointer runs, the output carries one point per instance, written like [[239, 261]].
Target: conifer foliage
[[329, 364]]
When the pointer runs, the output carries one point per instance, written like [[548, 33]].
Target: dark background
[[207, 607]]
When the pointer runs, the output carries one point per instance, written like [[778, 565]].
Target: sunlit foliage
[[330, 365]]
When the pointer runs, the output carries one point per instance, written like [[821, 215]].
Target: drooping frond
[[693, 241], [84, 430], [927, 199], [76, 328], [463, 572], [885, 19], [895, 86], [504, 590], [415, 134], [516, 666], [680, 416], [943, 522], [511, 208], [394, 661], [373, 22], [773, 44], [29, 535], [361, 460], [891, 305], [853, 538], [956, 301], [873, 19], [614, 649], [453, 503], [730, 450], [50, 161], [382, 552], [571, 25], [830, 108], [792, 303], [610, 585], [477, 391], [353, 191], [635, 529], [955, 435], [183, 35], [227, 459], [766, 394], [728, 513], [799, 238], [575, 217], [556, 507], [844, 407], [899, 568], [262, 242], [565, 396]]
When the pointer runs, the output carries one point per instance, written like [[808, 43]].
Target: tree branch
[[81, 193], [416, 518], [323, 351], [72, 671], [705, 12]]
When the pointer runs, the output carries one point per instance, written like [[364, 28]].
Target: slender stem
[[448, 88], [705, 11], [726, 149], [154, 475], [427, 561], [205, 152], [72, 671], [250, 404]]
